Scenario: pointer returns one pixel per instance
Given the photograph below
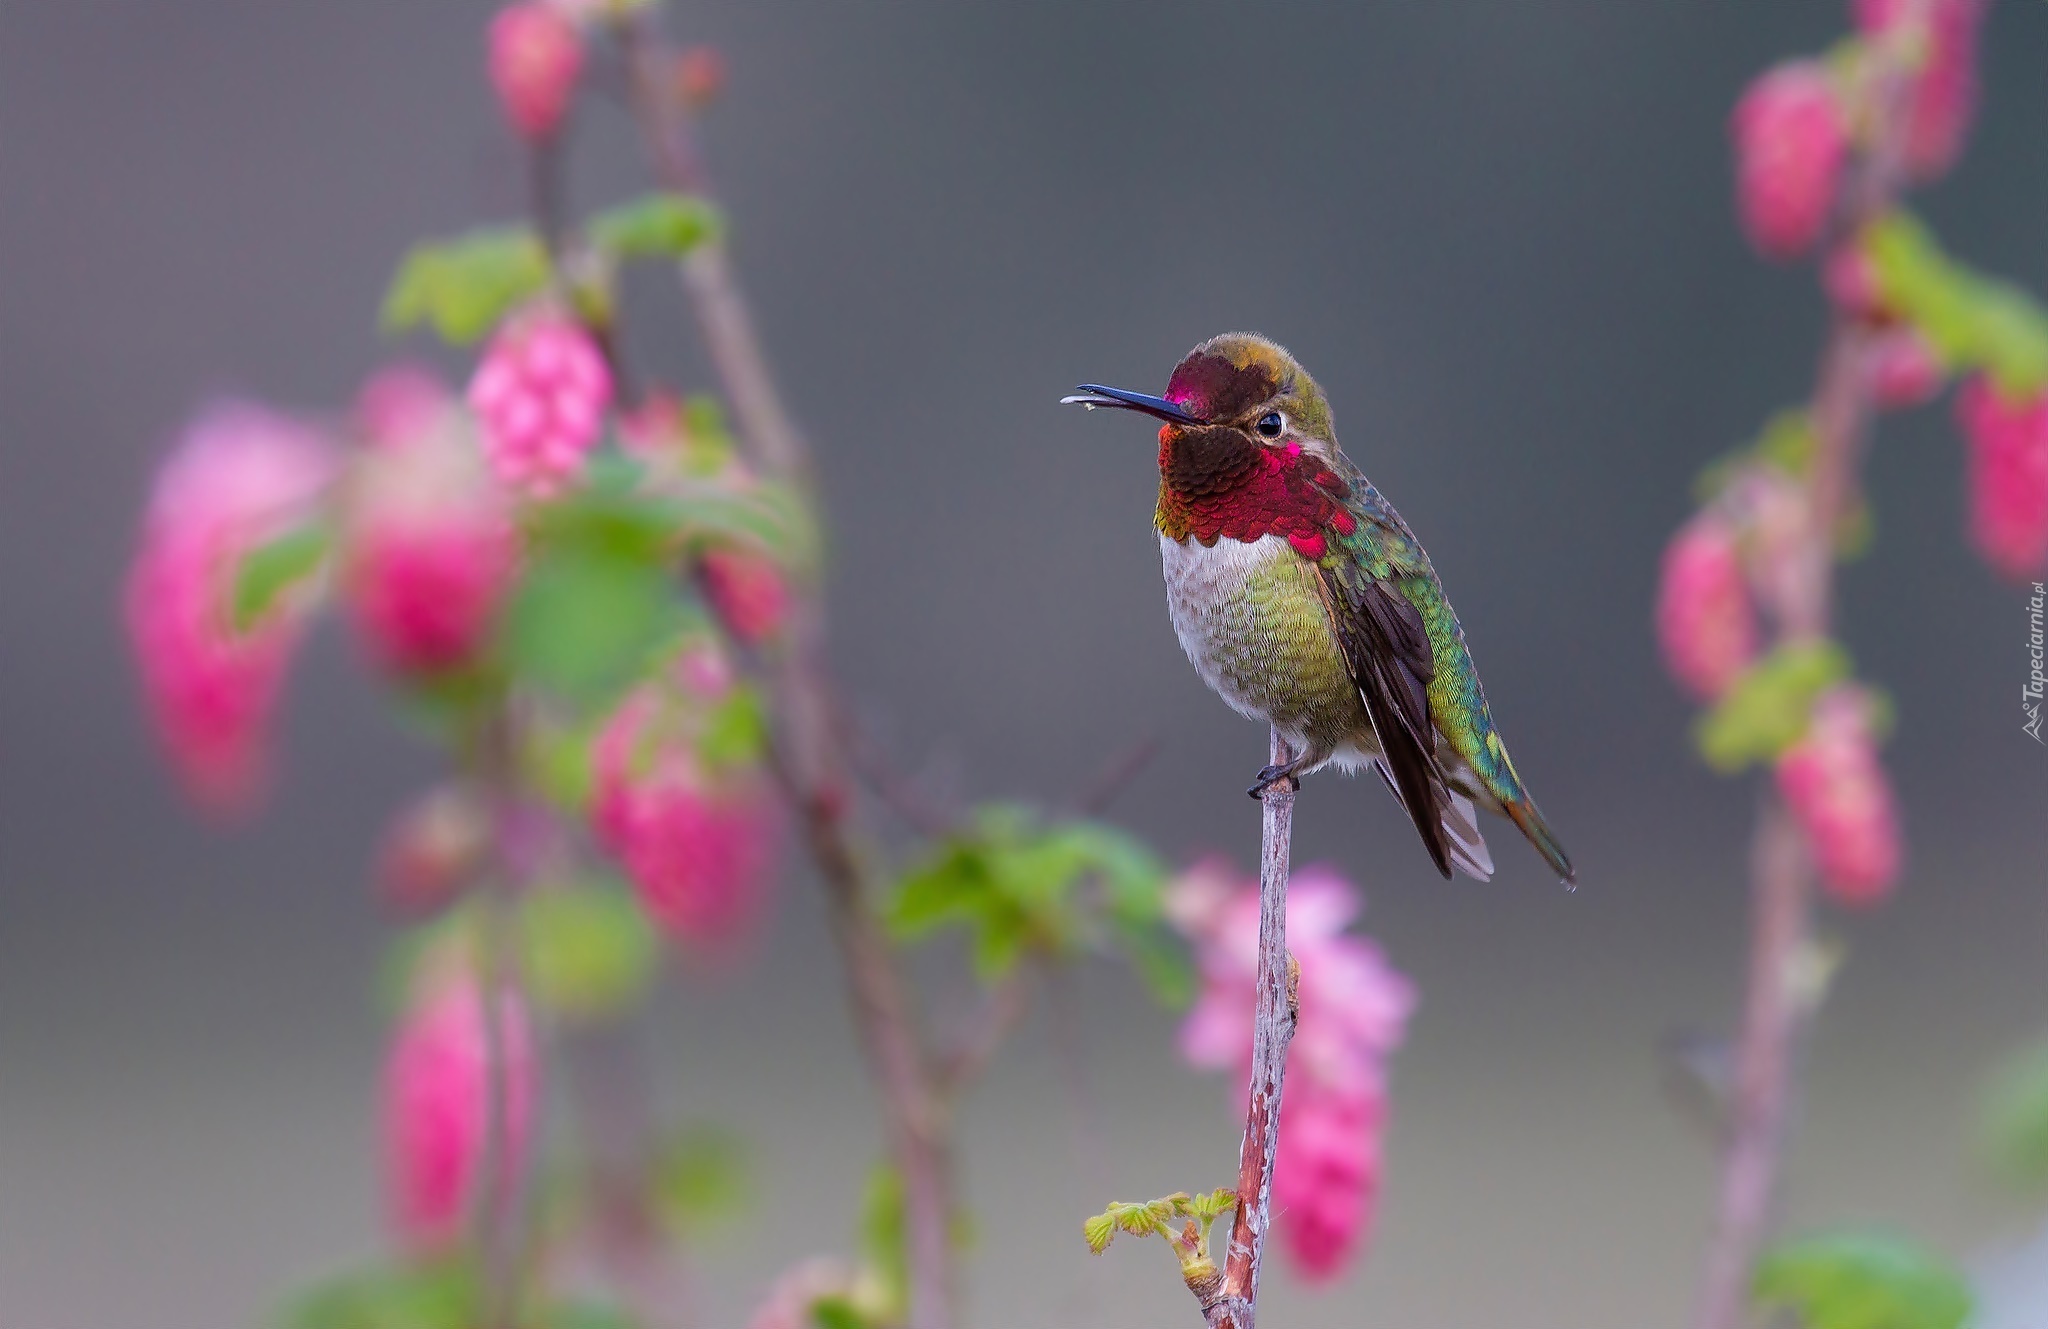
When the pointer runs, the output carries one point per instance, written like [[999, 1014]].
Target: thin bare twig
[[1231, 1301], [1775, 1009], [809, 763], [1114, 778]]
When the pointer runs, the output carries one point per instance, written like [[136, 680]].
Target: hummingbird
[[1304, 600]]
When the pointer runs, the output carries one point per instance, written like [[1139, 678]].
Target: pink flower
[[431, 549], [1944, 93], [799, 1288], [535, 56], [1850, 280], [433, 848], [540, 395], [1790, 139], [2008, 475], [1705, 621], [748, 591], [697, 841], [242, 475], [1905, 369], [1354, 1011], [700, 76], [1837, 791], [437, 1108]]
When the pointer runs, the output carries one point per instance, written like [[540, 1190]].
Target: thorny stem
[[1234, 1303], [1777, 1004], [808, 760]]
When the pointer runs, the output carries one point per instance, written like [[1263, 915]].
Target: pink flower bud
[[540, 395], [535, 56], [1850, 280], [700, 76], [748, 591], [431, 546], [2008, 475], [1790, 140], [1354, 1012], [1905, 370], [433, 849], [241, 476], [437, 1108], [1705, 621], [1837, 791], [1943, 98], [698, 843]]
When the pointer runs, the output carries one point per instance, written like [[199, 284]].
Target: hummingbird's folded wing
[[1386, 649]]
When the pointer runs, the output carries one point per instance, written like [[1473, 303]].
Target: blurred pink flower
[[748, 591], [241, 475], [1354, 1011], [1790, 140], [1944, 94], [1705, 620], [698, 842], [2008, 475], [535, 55], [1836, 788], [540, 395], [431, 548], [437, 1108], [1850, 280], [799, 1288], [1905, 369], [432, 849]]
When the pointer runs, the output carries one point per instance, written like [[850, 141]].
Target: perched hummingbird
[[1305, 601]]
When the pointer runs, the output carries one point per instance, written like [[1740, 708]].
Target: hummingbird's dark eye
[[1271, 425]]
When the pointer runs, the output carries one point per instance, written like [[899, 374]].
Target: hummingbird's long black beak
[[1093, 395]]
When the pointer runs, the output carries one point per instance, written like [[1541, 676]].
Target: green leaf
[[1098, 1232], [701, 1180], [273, 568], [838, 1313], [881, 1233], [1972, 320], [584, 623], [1017, 886], [442, 1295], [736, 731], [1768, 708], [654, 226], [465, 286], [2015, 1117], [1862, 1281], [590, 952]]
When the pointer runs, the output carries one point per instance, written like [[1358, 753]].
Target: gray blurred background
[[1500, 233]]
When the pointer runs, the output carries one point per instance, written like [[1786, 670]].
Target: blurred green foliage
[[464, 286], [1862, 1281]]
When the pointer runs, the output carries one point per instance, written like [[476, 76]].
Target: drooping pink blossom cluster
[[431, 546], [1791, 139], [241, 476], [1354, 1011], [2007, 441], [1706, 622], [697, 839], [540, 395], [534, 55], [1943, 97], [1836, 789], [748, 591], [437, 1107]]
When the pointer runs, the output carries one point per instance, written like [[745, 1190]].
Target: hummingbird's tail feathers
[[1524, 814], [1461, 830], [1457, 842]]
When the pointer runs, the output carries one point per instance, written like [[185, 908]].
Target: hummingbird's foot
[[1273, 775]]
